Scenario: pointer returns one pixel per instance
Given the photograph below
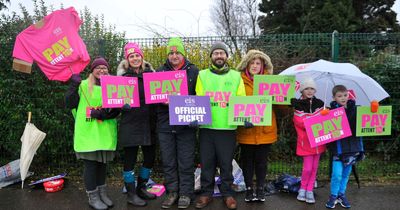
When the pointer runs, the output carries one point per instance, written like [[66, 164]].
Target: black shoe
[[260, 194], [249, 197], [142, 192]]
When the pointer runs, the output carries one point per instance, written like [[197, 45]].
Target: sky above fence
[[140, 19]]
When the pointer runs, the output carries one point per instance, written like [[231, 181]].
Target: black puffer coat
[[163, 110], [352, 144], [307, 105], [138, 125]]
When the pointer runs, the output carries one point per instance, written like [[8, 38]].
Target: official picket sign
[[254, 109], [117, 91], [374, 124], [322, 129], [186, 109], [158, 85], [280, 87]]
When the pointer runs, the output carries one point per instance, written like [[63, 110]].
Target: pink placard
[[117, 91], [158, 85], [322, 129], [157, 189]]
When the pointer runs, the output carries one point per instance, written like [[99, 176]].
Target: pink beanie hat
[[132, 47]]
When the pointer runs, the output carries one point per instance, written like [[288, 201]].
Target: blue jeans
[[340, 177]]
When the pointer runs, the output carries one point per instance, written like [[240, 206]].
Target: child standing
[[345, 152], [308, 105]]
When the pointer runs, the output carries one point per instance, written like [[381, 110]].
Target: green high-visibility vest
[[220, 87], [91, 134]]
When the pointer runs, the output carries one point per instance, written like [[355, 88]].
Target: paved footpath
[[72, 197]]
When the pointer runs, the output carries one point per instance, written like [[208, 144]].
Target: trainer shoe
[[249, 197], [331, 202], [343, 201], [310, 197], [169, 200], [183, 202], [260, 194], [302, 195]]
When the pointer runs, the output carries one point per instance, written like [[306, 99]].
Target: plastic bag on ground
[[10, 173]]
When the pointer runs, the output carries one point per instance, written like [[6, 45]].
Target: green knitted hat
[[175, 44]]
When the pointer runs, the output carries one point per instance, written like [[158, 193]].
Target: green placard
[[280, 87], [254, 109], [374, 124]]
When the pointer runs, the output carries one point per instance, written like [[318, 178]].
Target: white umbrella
[[327, 74], [31, 140]]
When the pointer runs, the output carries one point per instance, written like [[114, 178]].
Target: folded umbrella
[[31, 140]]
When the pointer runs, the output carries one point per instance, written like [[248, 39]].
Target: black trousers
[[94, 174], [177, 155], [254, 158], [130, 156], [217, 148]]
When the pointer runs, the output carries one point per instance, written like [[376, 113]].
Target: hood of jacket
[[252, 54], [124, 65]]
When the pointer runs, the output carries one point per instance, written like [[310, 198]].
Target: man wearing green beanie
[[176, 44], [177, 143]]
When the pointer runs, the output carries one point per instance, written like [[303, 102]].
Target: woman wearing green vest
[[95, 133]]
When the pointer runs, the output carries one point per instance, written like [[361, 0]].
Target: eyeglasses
[[101, 68], [219, 53]]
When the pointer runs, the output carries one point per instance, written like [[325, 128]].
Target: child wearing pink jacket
[[306, 106]]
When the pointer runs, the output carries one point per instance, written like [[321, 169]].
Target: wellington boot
[[132, 197]]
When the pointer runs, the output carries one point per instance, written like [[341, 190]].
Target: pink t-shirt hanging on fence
[[56, 46]]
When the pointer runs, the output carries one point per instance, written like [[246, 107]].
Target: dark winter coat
[[163, 110], [352, 144], [137, 125], [305, 108]]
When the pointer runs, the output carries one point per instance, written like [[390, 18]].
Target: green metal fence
[[378, 55]]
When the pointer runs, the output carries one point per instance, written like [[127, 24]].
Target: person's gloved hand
[[194, 124], [248, 124], [75, 79], [293, 101], [126, 107], [97, 113]]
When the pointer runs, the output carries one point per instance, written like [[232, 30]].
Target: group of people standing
[[97, 131]]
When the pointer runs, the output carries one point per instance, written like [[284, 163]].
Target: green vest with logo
[[220, 87], [91, 134]]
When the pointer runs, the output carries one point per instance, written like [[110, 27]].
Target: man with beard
[[218, 140], [177, 143]]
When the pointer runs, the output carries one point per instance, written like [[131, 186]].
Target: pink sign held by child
[[117, 91], [322, 129]]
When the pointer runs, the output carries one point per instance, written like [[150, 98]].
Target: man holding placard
[[218, 141], [177, 143]]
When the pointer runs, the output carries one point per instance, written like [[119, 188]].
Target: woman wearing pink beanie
[[137, 129]]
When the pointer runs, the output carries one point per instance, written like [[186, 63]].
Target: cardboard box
[[22, 66]]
